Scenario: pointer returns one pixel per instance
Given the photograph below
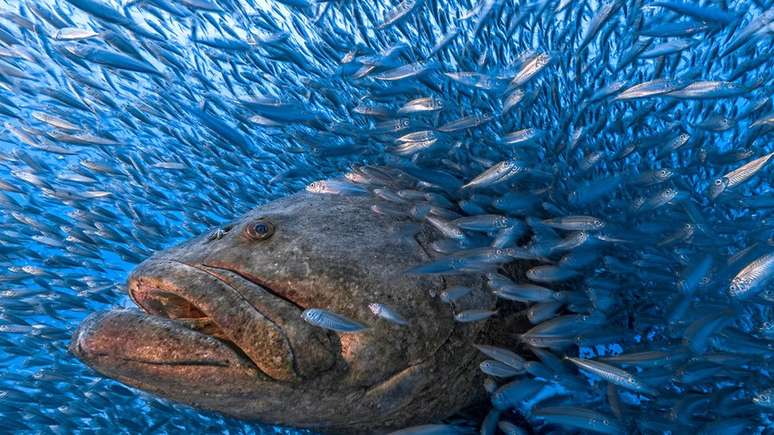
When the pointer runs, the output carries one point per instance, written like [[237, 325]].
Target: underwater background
[[630, 141]]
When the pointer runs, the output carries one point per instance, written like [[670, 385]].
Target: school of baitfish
[[622, 147]]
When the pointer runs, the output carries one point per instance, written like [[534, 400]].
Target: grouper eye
[[259, 230]]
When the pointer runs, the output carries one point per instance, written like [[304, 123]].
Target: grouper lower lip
[[153, 352]]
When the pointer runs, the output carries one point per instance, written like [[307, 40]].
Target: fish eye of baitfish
[[261, 229], [218, 233]]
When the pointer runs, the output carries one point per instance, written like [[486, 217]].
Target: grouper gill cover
[[616, 153]]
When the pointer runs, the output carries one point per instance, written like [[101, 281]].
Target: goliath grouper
[[222, 327]]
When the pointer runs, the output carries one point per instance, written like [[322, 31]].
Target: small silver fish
[[765, 398], [612, 374], [74, 34], [418, 136], [498, 369], [404, 72], [452, 294], [485, 222], [738, 176], [650, 89], [387, 313], [667, 48], [525, 293], [513, 393], [448, 229], [512, 99], [508, 236], [172, 166], [497, 173], [766, 120], [328, 320], [54, 121], [709, 89], [424, 104], [530, 69], [504, 356], [335, 187], [524, 137], [550, 274], [753, 278], [543, 311], [465, 123], [575, 223], [579, 418], [399, 12], [473, 315]]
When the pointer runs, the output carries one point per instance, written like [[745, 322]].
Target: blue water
[[177, 153], [43, 387]]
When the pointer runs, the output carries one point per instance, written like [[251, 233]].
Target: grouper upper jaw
[[220, 302]]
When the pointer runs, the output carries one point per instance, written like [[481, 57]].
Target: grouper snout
[[219, 321]]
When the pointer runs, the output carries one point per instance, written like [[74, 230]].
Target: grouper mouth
[[200, 321]]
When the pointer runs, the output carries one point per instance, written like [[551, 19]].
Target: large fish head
[[221, 324]]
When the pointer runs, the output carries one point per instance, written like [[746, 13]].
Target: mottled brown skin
[[222, 327]]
